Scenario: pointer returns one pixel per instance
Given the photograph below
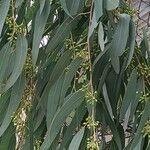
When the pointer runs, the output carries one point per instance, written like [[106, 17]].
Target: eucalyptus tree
[[72, 76]]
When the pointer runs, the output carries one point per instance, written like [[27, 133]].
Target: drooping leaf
[[8, 140], [144, 119], [42, 3], [131, 39], [61, 65], [15, 99], [4, 102], [111, 4], [40, 22], [129, 96], [77, 119], [71, 102], [113, 128], [75, 143], [72, 69], [103, 77], [119, 41], [21, 53], [75, 7], [4, 60], [18, 3], [64, 6], [60, 35], [53, 100], [145, 44], [98, 8], [107, 102], [93, 25], [58, 70], [4, 8], [101, 36]]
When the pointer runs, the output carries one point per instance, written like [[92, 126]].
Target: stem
[[13, 19], [91, 76]]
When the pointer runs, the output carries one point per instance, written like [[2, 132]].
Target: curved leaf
[[129, 96], [40, 22], [75, 143], [119, 41], [15, 99], [71, 102], [4, 8], [71, 71], [111, 4], [21, 53]]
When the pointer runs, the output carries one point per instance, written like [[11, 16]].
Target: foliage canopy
[[72, 76]]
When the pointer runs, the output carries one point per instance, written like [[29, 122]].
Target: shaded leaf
[[129, 96], [15, 99], [71, 102], [144, 119], [4, 61], [71, 71], [101, 36], [40, 22], [98, 8], [131, 40], [75, 143], [111, 4], [53, 100], [4, 8], [18, 3], [60, 35], [107, 102], [21, 53], [119, 41], [64, 6]]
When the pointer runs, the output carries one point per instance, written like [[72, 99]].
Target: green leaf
[[18, 3], [15, 99], [107, 102], [119, 41], [71, 102], [131, 40], [62, 32], [40, 22], [4, 102], [144, 119], [93, 25], [61, 65], [21, 53], [101, 36], [64, 6], [129, 96], [75, 143], [98, 8], [139, 93], [139, 144], [71, 71], [113, 128], [76, 121], [4, 8], [145, 44], [53, 99], [72, 7], [58, 70], [8, 140], [4, 60], [111, 4], [103, 77], [42, 4], [75, 6]]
